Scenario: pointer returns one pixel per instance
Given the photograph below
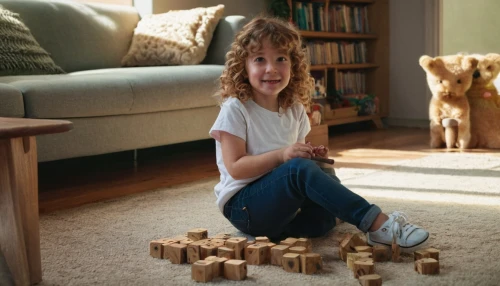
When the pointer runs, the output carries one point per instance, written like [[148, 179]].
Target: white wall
[[408, 103]]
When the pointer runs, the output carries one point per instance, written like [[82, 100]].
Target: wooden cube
[[367, 248], [277, 253], [433, 252], [238, 245], [289, 241], [235, 269], [177, 253], [370, 280], [297, 249], [249, 242], [310, 263], [157, 248], [257, 254], [193, 250], [352, 257], [186, 241], [207, 250], [427, 266], [225, 252], [291, 262], [218, 265], [380, 253], [261, 239], [196, 234], [305, 242], [363, 268], [202, 271], [419, 254]]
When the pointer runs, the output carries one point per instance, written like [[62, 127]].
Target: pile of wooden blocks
[[361, 258], [228, 257]]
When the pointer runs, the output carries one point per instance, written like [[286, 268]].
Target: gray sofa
[[112, 108]]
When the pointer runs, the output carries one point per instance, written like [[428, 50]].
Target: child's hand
[[320, 151], [297, 150]]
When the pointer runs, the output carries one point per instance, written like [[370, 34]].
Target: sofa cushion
[[117, 91], [20, 53], [178, 37], [11, 101], [79, 36]]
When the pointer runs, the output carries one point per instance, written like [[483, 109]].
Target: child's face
[[268, 71]]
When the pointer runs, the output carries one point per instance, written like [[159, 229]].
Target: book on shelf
[[338, 18], [336, 52]]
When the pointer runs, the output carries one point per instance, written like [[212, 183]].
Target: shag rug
[[455, 196]]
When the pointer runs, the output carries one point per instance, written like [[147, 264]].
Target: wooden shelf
[[331, 35], [343, 66], [345, 120]]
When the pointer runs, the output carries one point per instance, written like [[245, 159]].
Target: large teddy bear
[[485, 103], [449, 77]]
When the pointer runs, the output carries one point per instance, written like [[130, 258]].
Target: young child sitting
[[266, 174]]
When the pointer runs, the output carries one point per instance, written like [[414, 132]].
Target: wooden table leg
[[20, 243]]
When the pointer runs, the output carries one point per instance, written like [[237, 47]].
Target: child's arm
[[243, 166]]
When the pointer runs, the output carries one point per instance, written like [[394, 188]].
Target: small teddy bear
[[484, 103], [449, 77]]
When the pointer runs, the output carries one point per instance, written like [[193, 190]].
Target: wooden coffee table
[[19, 220]]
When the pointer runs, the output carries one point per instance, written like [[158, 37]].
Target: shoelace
[[400, 220]]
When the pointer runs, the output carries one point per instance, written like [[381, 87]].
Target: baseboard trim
[[403, 122]]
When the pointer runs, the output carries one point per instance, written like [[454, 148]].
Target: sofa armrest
[[223, 38], [11, 101]]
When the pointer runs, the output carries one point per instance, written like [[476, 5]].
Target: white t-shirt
[[263, 131]]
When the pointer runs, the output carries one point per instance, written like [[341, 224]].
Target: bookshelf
[[364, 37]]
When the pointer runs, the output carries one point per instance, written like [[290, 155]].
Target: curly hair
[[283, 36]]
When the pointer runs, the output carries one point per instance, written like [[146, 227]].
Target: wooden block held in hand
[[277, 253], [370, 280], [291, 262], [310, 263], [202, 271], [427, 266], [235, 269], [196, 234], [177, 253]]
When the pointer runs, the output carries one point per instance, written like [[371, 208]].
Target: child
[[268, 184]]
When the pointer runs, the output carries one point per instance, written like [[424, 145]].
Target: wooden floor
[[73, 182]]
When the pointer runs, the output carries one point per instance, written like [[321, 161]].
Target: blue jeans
[[297, 199]]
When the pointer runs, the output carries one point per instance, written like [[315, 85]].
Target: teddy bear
[[484, 103], [449, 77]]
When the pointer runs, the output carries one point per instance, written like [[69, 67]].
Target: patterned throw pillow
[[20, 53], [178, 37]]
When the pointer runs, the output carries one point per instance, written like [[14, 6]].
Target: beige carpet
[[455, 196]]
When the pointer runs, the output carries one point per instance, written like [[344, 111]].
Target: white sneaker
[[408, 236]]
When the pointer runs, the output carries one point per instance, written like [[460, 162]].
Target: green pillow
[[20, 53]]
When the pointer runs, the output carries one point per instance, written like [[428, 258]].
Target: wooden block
[[433, 252], [257, 254], [310, 263], [186, 241], [207, 250], [225, 252], [261, 239], [367, 248], [396, 251], [380, 253], [193, 250], [156, 248], [352, 257], [419, 254], [363, 268], [277, 253], [297, 249], [370, 280], [218, 265], [305, 242], [238, 245], [224, 236], [249, 242], [427, 266], [348, 244], [291, 262], [235, 269], [196, 234], [289, 241], [177, 253], [202, 271]]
